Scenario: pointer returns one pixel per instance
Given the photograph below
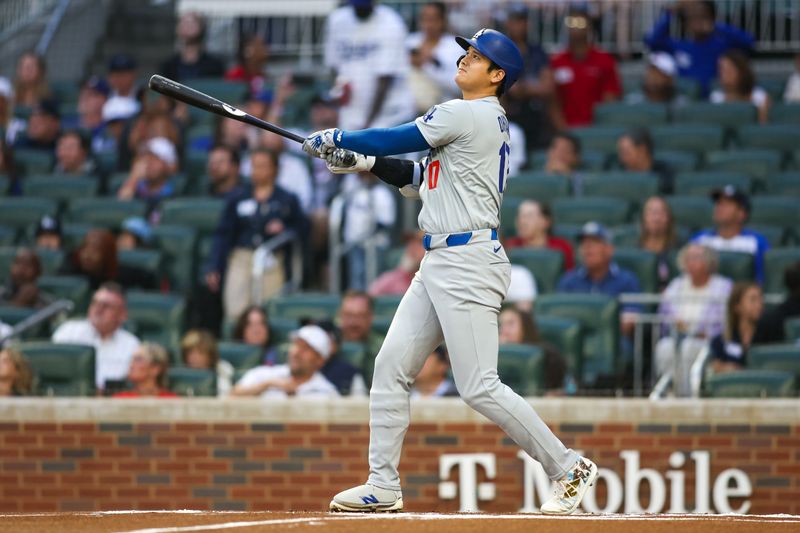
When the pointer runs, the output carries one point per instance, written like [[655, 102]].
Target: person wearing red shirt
[[585, 75], [148, 373], [534, 224], [251, 63], [398, 280]]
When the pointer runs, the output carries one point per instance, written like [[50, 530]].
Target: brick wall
[[144, 457]]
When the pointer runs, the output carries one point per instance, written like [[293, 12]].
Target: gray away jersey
[[462, 186]]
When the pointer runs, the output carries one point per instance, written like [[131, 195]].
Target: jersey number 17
[[505, 154]]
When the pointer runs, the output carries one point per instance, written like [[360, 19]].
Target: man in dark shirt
[[20, 290], [223, 171], [43, 129], [771, 325], [635, 154], [191, 60]]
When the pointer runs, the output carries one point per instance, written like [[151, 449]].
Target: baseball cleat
[[571, 488], [367, 499]]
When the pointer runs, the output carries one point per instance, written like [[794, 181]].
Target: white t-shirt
[[442, 67], [758, 97], [365, 208], [112, 355], [363, 51], [317, 386]]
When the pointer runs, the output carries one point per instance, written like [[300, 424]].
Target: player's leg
[[412, 336]]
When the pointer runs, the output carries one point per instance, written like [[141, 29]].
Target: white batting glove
[[341, 161], [319, 143]]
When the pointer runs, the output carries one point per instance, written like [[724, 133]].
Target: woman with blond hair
[[199, 350], [16, 378], [148, 373]]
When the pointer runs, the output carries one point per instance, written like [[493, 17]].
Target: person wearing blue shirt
[[708, 39], [731, 211]]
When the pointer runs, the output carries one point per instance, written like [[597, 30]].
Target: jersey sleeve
[[446, 122]]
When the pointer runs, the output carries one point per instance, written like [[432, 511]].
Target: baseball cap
[[119, 108], [121, 62], [317, 338], [47, 107], [98, 84], [733, 193], [138, 227], [361, 3], [517, 10], [594, 230], [6, 89], [664, 62], [162, 148], [48, 224]]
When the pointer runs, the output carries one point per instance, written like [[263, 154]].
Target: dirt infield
[[186, 521]]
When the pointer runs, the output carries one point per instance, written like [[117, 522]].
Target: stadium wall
[[96, 454]]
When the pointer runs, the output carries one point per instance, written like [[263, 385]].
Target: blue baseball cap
[[98, 84], [138, 227], [121, 62], [732, 193], [594, 230]]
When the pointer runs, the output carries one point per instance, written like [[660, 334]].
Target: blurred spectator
[[20, 290], [369, 212], [522, 289], [364, 46], [44, 126], [191, 59], [96, 258], [432, 380], [744, 309], [530, 99], [772, 323], [48, 233], [657, 234], [658, 83], [148, 373], [238, 136], [149, 176], [252, 327], [116, 112], [293, 173], [8, 168], [122, 74], [16, 378], [251, 57], [355, 317], [223, 172], [102, 329], [398, 280], [692, 311], [519, 327], [534, 227], [10, 125], [149, 124], [737, 83], [706, 40], [30, 82], [134, 234], [584, 74], [259, 212], [563, 155], [74, 154], [92, 97], [199, 350], [635, 152], [599, 274], [433, 52], [308, 352], [346, 377], [731, 211], [792, 92]]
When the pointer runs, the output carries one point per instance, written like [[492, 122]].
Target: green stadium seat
[[508, 216], [791, 328], [598, 315], [688, 87], [148, 260], [354, 353], [737, 266], [606, 210], [241, 356], [776, 211], [104, 212], [7, 235], [629, 115], [65, 91], [702, 183], [316, 306], [635, 187], [5, 183], [784, 184], [545, 264], [775, 235], [107, 161], [570, 232], [566, 335], [200, 213], [178, 246], [192, 381], [386, 306], [391, 258], [380, 325], [61, 369], [195, 162], [224, 90], [74, 288], [591, 160], [61, 187], [776, 260], [780, 113], [730, 115], [756, 163], [539, 186], [782, 357], [52, 260], [750, 384], [12, 315], [7, 255], [521, 367], [32, 161], [158, 317], [643, 263], [678, 160], [773, 86], [21, 212], [602, 138], [693, 212], [626, 235], [281, 328], [781, 137], [73, 233], [694, 138]]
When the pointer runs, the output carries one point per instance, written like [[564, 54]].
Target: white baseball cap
[[664, 63], [6, 89], [162, 148], [119, 108], [317, 338]]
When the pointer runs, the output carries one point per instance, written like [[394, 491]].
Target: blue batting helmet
[[499, 49]]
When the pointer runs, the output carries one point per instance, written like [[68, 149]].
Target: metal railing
[[264, 257], [338, 249], [40, 316], [52, 26]]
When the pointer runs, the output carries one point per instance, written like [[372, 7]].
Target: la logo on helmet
[[480, 32]]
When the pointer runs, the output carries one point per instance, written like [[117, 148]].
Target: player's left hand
[[319, 143], [341, 161]]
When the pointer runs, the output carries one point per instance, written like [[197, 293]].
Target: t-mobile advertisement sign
[[667, 490]]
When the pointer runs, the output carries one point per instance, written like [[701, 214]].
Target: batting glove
[[319, 143], [341, 161]]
